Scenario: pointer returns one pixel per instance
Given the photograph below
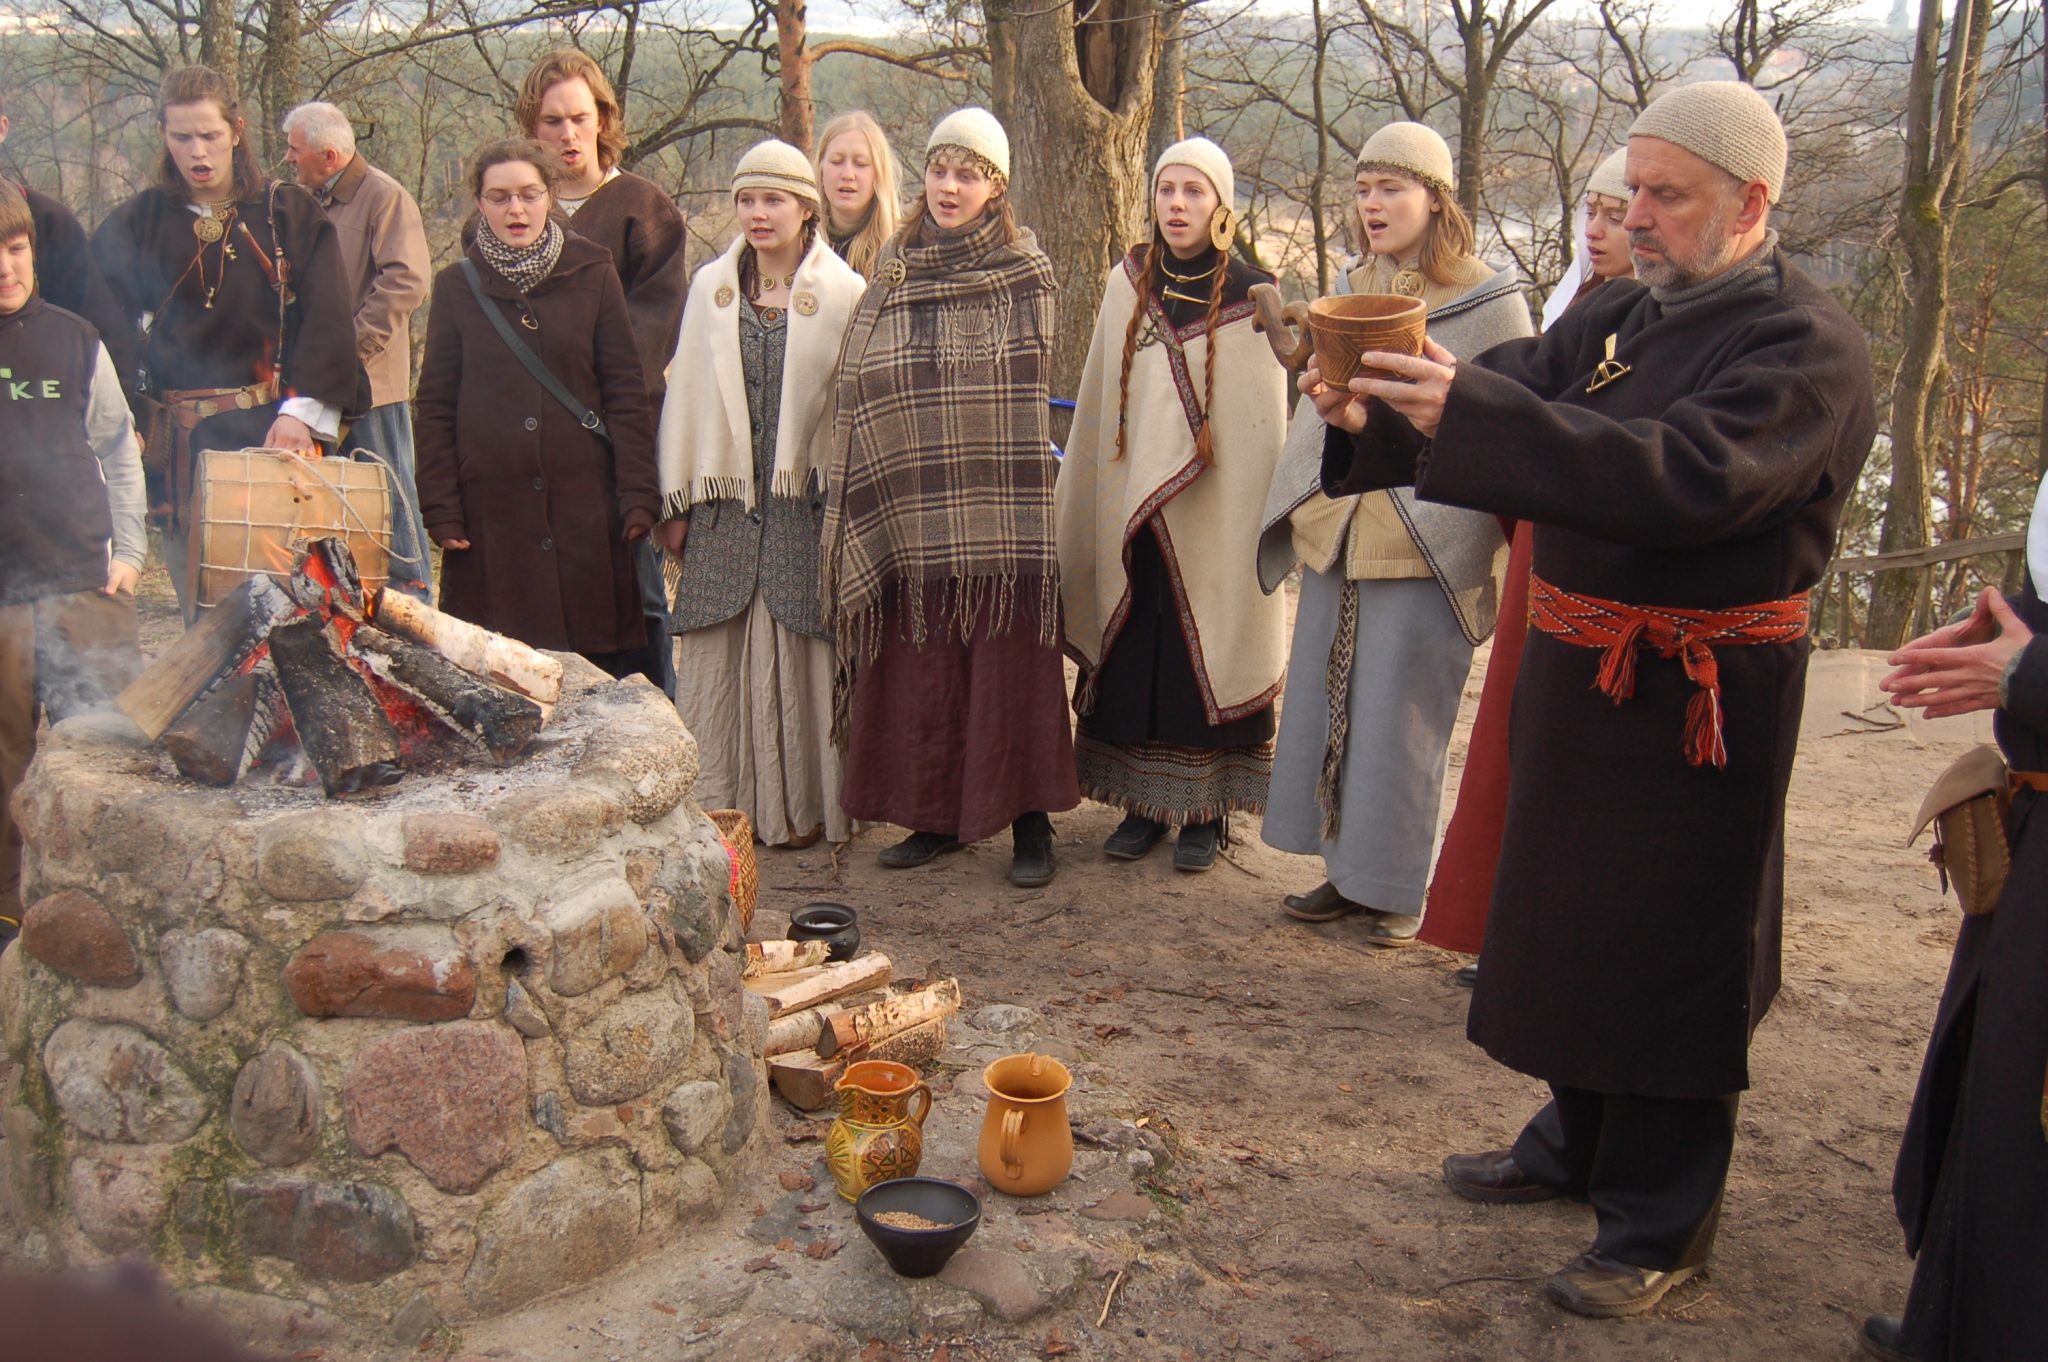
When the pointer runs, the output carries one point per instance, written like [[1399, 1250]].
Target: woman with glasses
[[536, 438]]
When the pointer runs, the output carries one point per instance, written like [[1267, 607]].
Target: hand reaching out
[[1956, 669]]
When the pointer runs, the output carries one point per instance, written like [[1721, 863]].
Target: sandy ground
[[1309, 1085]]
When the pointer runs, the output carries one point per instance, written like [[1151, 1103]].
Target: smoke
[[75, 651]]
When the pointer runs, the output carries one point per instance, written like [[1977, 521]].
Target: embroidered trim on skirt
[[1172, 784]]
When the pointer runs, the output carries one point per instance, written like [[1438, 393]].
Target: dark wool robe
[[144, 249], [1633, 941], [1972, 1179], [67, 276], [544, 503], [640, 225]]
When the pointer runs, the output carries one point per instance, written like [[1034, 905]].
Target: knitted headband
[[1725, 123], [1413, 150], [777, 165]]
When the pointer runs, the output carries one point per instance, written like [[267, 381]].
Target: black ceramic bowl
[[835, 924], [919, 1253]]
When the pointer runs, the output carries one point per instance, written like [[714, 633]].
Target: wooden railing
[[1835, 620]]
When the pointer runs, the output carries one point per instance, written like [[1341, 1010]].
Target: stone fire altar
[[363, 1067]]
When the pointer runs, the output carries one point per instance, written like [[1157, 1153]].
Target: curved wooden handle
[[1285, 326], [1013, 1135]]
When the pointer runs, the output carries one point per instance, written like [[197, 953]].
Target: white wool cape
[[706, 445], [1237, 635]]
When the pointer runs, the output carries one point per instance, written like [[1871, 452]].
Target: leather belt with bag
[[1970, 806]]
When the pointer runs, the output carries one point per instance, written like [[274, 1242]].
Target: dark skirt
[[961, 738], [1454, 918], [1972, 1180]]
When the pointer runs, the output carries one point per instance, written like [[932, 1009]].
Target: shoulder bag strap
[[585, 417]]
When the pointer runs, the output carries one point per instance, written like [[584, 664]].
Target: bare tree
[[1941, 107]]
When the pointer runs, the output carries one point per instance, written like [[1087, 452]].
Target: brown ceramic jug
[[879, 1133], [1026, 1147]]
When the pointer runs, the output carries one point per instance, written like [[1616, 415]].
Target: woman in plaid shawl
[[940, 582]]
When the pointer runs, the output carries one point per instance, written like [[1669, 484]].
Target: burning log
[[341, 726], [503, 721], [215, 648], [503, 661], [892, 1016], [325, 580], [218, 739]]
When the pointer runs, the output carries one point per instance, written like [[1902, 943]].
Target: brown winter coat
[[544, 503]]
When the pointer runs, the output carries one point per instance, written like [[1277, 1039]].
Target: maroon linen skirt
[[961, 738]]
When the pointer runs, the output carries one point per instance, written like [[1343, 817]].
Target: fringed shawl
[[939, 495], [706, 445]]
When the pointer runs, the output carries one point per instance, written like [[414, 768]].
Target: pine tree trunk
[[1081, 102], [793, 59]]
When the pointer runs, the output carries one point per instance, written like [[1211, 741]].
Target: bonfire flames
[[305, 675]]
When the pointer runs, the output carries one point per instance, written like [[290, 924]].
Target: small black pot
[[835, 924], [919, 1253]]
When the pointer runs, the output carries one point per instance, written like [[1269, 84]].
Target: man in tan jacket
[[384, 251]]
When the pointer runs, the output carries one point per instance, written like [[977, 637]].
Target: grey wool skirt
[[1410, 669]]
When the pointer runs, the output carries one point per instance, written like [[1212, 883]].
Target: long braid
[[1148, 286], [1205, 444]]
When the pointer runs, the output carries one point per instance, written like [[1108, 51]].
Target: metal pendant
[[1409, 283], [208, 228]]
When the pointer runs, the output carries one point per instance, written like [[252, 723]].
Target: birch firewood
[[807, 988], [806, 1078], [783, 957], [865, 1025], [478, 651], [799, 1030]]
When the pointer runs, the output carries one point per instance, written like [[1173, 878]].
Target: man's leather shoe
[[1495, 1178], [917, 849], [1133, 837], [1884, 1337], [1320, 904], [1594, 1284]]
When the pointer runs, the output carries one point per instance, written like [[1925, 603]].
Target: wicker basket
[[736, 830]]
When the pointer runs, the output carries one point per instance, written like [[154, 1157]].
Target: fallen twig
[[1109, 1296], [1442, 1287], [1851, 1158]]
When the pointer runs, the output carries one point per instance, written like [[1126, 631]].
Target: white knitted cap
[[1725, 123], [974, 130], [1205, 156], [777, 165], [1411, 149], [1610, 178]]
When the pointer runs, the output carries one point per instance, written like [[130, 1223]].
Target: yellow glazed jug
[[877, 1136], [1026, 1147]]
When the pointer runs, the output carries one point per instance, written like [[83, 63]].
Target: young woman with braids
[[1395, 592], [746, 434], [1177, 426]]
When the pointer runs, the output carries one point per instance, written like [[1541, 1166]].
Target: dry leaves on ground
[[796, 1182], [822, 1249]]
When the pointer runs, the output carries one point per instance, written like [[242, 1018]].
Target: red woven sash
[[1688, 635]]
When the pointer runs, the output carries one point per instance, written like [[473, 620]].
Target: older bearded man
[[1683, 448]]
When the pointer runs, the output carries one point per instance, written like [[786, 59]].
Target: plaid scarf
[[522, 267], [941, 473]]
